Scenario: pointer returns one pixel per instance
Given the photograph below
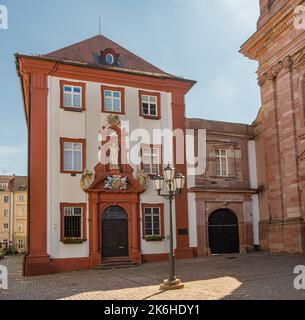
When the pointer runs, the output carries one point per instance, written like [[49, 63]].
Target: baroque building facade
[[279, 47], [84, 212]]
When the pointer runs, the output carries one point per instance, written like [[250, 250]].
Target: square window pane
[[77, 146], [76, 89], [77, 211], [67, 100], [152, 99], [144, 98], [76, 101], [148, 219], [148, 232], [155, 169], [67, 89], [116, 94], [108, 93], [68, 145], [147, 210], [156, 210]]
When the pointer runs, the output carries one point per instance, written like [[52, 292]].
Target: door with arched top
[[223, 232], [114, 233]]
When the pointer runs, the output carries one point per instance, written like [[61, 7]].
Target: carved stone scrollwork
[[262, 79]]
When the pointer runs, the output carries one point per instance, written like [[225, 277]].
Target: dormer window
[[109, 57]]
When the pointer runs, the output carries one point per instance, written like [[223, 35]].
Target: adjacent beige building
[[5, 211], [13, 213], [18, 187]]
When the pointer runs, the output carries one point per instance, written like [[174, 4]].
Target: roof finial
[[99, 25]]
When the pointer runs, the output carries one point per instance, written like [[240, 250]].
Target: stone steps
[[116, 263]]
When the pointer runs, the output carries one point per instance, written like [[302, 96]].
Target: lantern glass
[[169, 173], [158, 183], [179, 181]]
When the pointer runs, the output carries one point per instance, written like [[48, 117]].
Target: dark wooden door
[[114, 233], [223, 232]]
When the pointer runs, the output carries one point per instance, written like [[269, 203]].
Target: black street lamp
[[175, 185]]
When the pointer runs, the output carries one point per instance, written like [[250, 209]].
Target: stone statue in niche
[[141, 177], [114, 156]]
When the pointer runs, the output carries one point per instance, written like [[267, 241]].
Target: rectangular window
[[151, 159], [72, 155], [5, 212], [6, 199], [19, 244], [73, 222], [221, 162], [150, 105], [21, 198], [73, 95], [113, 100], [153, 220], [5, 226], [3, 186]]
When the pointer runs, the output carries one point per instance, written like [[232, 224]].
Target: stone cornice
[[254, 47], [289, 63]]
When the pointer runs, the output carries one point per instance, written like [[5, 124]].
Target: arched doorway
[[223, 232], [114, 233]]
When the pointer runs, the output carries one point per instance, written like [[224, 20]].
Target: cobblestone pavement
[[251, 276]]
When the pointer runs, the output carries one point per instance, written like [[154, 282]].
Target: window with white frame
[[152, 223], [3, 186], [72, 222], [21, 198], [6, 199], [73, 156], [151, 160], [112, 101], [221, 162], [72, 96], [20, 244], [149, 105]]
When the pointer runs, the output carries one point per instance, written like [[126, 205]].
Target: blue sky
[[198, 39]]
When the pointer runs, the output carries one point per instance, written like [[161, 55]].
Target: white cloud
[[13, 159]]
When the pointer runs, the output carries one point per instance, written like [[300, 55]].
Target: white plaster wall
[[192, 219], [253, 183], [86, 125]]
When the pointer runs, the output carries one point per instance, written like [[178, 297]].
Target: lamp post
[[175, 184]]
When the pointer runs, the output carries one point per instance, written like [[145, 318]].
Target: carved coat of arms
[[116, 182]]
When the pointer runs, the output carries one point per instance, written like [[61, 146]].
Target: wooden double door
[[223, 232], [114, 233]]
